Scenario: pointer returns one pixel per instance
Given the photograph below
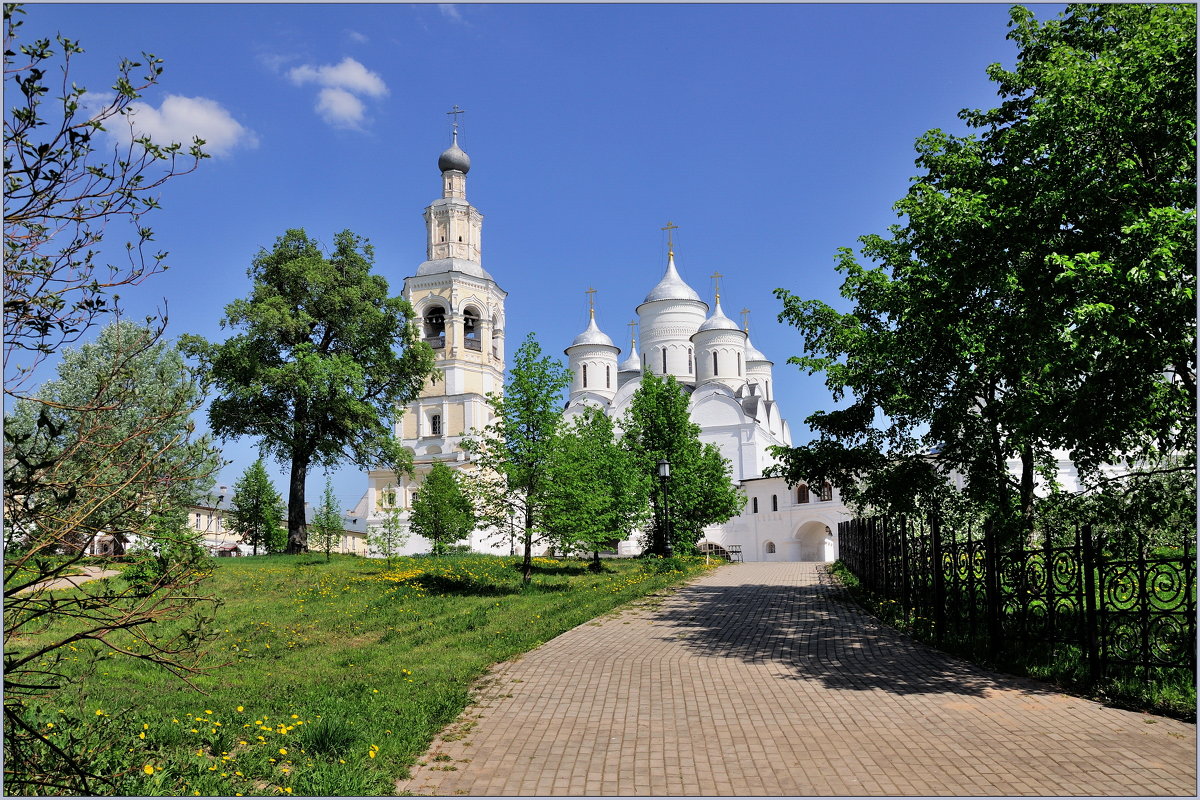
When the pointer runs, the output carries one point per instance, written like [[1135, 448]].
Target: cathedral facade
[[730, 397], [460, 307]]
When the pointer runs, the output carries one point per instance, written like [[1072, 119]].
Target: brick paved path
[[756, 680]]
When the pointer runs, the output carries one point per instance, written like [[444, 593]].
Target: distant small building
[[209, 517]]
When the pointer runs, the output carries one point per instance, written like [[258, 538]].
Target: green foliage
[[388, 537], [256, 509], [1040, 293], [513, 452], [327, 522], [323, 359], [103, 453], [441, 511], [61, 197], [599, 495], [700, 491], [372, 663]]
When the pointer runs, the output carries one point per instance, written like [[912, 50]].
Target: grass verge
[[333, 677]]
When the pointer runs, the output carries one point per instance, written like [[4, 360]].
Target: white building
[[729, 382], [731, 398]]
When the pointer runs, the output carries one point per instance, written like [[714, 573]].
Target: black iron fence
[[1120, 607]]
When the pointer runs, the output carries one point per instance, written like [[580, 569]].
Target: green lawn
[[334, 677]]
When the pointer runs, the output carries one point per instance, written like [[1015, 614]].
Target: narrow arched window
[[715, 370], [471, 328], [664, 354], [585, 376], [435, 326], [827, 491], [435, 424], [690, 367], [801, 494], [754, 504], [774, 502], [770, 547], [607, 376], [739, 363]]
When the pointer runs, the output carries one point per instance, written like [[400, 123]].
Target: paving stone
[[760, 679]]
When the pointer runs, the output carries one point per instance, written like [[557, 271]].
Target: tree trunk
[[1027, 495], [528, 544], [297, 527]]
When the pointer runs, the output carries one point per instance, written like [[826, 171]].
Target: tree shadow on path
[[815, 632]]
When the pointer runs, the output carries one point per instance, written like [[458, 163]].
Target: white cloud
[[450, 11], [348, 75], [340, 108], [179, 119], [355, 36]]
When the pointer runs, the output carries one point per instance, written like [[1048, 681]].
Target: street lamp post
[[664, 474]]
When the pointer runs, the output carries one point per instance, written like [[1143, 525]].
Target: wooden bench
[[734, 551]]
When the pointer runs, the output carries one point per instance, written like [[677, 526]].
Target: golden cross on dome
[[632, 330], [591, 293], [671, 226], [746, 320], [454, 112], [716, 276]]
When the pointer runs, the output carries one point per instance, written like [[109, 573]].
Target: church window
[[664, 352], [435, 424], [690, 368], [801, 494], [715, 370], [774, 502], [198, 521], [585, 376], [739, 363], [471, 328], [435, 326], [607, 376], [754, 504], [770, 548], [827, 491]]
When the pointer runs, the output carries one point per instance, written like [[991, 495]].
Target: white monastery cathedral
[[461, 308]]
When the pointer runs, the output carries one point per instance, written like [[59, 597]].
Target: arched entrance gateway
[[814, 542]]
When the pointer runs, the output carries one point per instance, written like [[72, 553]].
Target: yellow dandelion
[[149, 770], [239, 708], [283, 751]]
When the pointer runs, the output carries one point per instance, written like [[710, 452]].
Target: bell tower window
[[435, 327], [471, 329]]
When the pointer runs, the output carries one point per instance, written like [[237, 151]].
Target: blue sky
[[770, 134]]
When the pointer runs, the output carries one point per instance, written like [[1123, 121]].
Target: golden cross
[[591, 293], [746, 320], [632, 328], [716, 276], [455, 111], [671, 226]]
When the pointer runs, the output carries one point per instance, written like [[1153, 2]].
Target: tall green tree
[[327, 522], [513, 452], [103, 455], [255, 508], [700, 490], [441, 511], [1040, 293], [323, 359], [599, 495]]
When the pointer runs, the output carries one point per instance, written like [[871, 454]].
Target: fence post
[[1091, 583], [991, 588], [939, 579]]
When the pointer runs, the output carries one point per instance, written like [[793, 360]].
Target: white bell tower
[[460, 309]]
